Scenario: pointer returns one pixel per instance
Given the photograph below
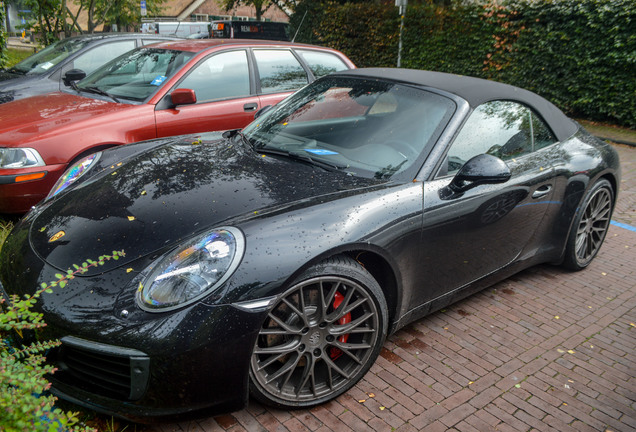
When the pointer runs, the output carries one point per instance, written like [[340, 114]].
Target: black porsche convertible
[[274, 260]]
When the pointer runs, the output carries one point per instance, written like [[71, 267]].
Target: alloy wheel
[[317, 341]]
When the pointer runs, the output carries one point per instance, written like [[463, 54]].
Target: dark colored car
[[278, 258], [43, 72], [156, 91]]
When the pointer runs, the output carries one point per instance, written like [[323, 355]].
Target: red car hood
[[37, 117]]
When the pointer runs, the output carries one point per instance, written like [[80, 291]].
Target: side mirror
[[72, 76], [262, 111], [482, 169], [183, 97]]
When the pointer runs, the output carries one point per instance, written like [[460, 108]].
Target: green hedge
[[580, 54], [3, 36]]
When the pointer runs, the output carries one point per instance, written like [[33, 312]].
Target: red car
[[166, 89]]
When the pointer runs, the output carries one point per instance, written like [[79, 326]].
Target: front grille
[[115, 372]]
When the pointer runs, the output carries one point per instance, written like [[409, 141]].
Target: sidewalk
[[546, 350], [21, 44]]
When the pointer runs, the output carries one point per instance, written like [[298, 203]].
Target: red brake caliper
[[334, 352]]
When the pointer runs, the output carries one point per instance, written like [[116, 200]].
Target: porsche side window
[[501, 128], [279, 71], [222, 76], [542, 135]]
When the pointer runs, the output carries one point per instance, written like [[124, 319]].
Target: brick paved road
[[545, 350]]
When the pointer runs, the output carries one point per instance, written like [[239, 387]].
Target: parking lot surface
[[546, 350]]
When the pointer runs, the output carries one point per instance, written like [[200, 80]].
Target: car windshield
[[44, 60], [137, 74], [369, 128]]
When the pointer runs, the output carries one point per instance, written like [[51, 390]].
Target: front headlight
[[73, 173], [193, 271], [14, 158]]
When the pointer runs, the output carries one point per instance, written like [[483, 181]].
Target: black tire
[[590, 226], [306, 353]]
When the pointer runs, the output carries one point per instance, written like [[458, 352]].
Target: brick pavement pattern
[[546, 350]]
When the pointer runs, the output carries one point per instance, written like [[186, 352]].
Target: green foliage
[[3, 36], [23, 384], [16, 55], [580, 54], [365, 32], [5, 228]]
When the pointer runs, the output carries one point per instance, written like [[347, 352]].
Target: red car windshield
[[136, 75]]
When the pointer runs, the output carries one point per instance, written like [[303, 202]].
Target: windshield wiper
[[302, 157], [238, 133], [15, 71], [96, 90]]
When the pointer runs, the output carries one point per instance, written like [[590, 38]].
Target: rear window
[[322, 63]]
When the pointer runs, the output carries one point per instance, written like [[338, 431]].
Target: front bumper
[[22, 189], [193, 369], [120, 360]]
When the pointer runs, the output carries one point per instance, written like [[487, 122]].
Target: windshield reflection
[[369, 128], [136, 75], [39, 63]]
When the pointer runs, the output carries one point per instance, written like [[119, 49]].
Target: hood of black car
[[158, 198], [6, 75]]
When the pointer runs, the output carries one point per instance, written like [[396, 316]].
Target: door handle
[[250, 107], [542, 191]]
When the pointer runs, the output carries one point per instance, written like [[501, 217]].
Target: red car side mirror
[[183, 97]]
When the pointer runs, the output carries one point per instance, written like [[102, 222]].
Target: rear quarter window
[[322, 63]]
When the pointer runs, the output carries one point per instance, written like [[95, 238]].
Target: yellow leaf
[[131, 218], [143, 192], [604, 274], [382, 408], [556, 317], [128, 270], [371, 395], [362, 400], [559, 350], [571, 351]]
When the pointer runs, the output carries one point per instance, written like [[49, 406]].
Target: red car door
[[225, 99]]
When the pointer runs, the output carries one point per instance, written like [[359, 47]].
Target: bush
[[3, 37], [23, 385]]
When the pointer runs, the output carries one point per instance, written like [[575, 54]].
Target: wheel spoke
[[286, 369], [350, 327], [308, 374], [278, 349]]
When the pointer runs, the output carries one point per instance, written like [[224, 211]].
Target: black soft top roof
[[476, 91]]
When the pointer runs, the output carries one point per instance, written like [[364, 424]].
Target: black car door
[[469, 235]]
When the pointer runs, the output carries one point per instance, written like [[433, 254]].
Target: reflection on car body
[[274, 260]]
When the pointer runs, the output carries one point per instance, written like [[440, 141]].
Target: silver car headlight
[[14, 158], [192, 271]]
